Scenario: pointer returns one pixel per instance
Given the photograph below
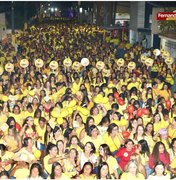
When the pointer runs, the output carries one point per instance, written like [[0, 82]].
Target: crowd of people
[[71, 109]]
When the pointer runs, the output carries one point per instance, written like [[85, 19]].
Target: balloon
[[139, 112], [105, 100], [123, 122], [70, 110], [125, 134], [31, 93], [5, 98], [120, 101], [84, 111], [130, 116], [131, 109], [60, 120], [116, 95], [168, 104], [55, 112], [145, 111], [63, 113], [37, 154], [72, 103], [18, 127]]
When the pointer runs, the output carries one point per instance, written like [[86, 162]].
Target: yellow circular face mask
[[67, 62], [39, 63], [9, 67], [53, 65], [106, 72], [1, 70], [149, 62], [76, 65], [131, 65], [85, 62], [143, 58], [169, 61], [156, 52], [100, 65], [165, 55], [24, 63], [120, 62]]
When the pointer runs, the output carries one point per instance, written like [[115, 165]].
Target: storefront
[[169, 44]]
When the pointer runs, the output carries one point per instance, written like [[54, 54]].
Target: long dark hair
[[79, 142], [155, 153], [9, 120], [38, 166], [111, 127], [106, 150], [46, 133], [91, 129], [26, 120], [99, 170], [172, 145], [54, 165], [87, 123], [92, 146], [144, 147], [85, 164], [149, 123]]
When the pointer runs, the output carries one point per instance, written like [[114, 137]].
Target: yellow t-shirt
[[113, 165], [7, 156], [150, 142], [22, 173], [18, 118], [157, 126], [173, 163], [172, 132], [41, 132], [129, 176], [165, 94], [97, 119], [90, 177], [64, 177], [3, 119], [97, 142], [113, 144], [47, 166], [26, 114]]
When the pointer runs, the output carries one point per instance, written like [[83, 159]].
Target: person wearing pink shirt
[[159, 154]]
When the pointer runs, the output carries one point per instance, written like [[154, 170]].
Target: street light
[[56, 9], [81, 10], [52, 9]]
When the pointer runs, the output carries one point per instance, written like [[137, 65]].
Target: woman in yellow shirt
[[98, 112], [75, 143], [86, 172], [103, 171], [105, 156], [132, 171], [157, 122], [94, 137], [113, 138], [13, 140], [172, 129], [57, 172], [71, 164]]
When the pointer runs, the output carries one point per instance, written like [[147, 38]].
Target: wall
[[169, 45]]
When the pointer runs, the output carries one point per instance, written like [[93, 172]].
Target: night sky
[[25, 10]]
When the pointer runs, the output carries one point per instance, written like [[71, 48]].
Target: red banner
[[163, 16]]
